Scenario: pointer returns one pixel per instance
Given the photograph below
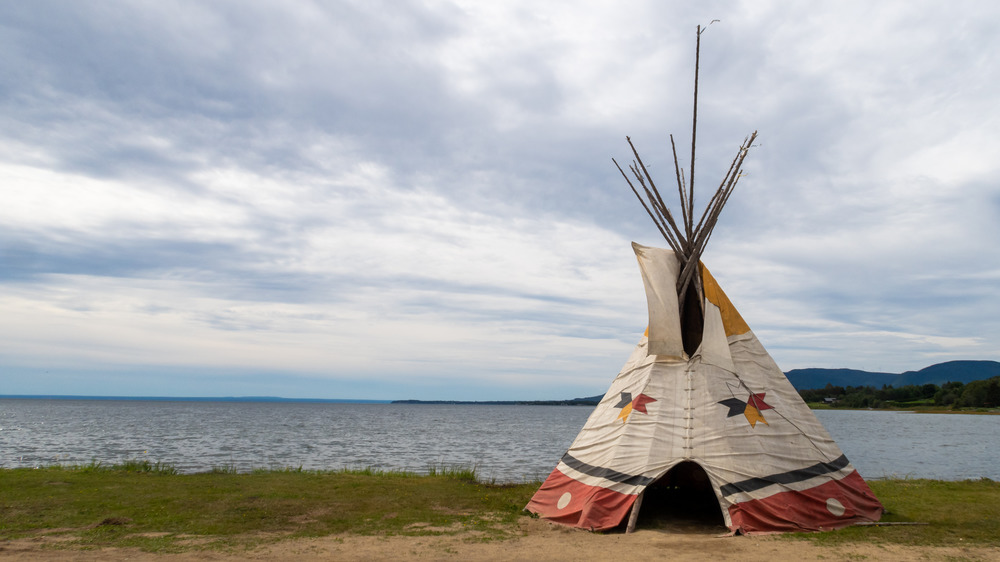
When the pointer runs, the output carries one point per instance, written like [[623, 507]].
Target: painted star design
[[757, 401], [751, 408], [735, 405], [628, 404]]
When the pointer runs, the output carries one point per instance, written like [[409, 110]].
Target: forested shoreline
[[976, 394]]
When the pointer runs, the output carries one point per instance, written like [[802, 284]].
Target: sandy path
[[541, 541]]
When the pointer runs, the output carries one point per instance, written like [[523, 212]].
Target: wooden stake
[[688, 240], [680, 183], [634, 516], [673, 245], [694, 130], [888, 523]]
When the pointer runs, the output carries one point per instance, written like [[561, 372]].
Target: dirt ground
[[541, 541]]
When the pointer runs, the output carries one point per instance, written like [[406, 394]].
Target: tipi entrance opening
[[682, 500]]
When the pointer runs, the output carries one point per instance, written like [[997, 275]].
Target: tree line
[[975, 394]]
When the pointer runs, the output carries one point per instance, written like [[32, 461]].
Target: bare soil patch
[[537, 540]]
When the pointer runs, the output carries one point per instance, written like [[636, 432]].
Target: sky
[[416, 200]]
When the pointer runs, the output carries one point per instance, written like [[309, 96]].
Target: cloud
[[362, 197]]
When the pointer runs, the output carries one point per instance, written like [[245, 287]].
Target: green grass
[[151, 507], [157, 510], [132, 465], [963, 513], [819, 406]]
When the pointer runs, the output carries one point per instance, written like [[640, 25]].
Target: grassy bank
[[915, 408], [157, 510], [153, 508]]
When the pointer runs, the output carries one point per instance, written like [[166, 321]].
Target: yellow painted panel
[[753, 416], [731, 319]]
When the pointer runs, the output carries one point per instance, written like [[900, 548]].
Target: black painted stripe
[[789, 477], [606, 473]]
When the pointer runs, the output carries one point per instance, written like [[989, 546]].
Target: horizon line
[[192, 398]]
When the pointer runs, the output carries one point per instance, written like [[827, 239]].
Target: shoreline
[[568, 402]]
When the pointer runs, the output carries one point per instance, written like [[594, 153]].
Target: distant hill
[[951, 371], [806, 379]]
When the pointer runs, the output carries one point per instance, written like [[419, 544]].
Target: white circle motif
[[564, 500], [835, 507]]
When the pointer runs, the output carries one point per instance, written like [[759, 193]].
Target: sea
[[503, 443]]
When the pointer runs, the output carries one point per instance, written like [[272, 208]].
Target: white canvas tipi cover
[[728, 408]]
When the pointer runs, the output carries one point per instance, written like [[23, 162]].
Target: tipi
[[701, 403]]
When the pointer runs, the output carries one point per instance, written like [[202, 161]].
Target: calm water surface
[[904, 444], [506, 443]]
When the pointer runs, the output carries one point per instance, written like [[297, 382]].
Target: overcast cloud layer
[[417, 200]]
